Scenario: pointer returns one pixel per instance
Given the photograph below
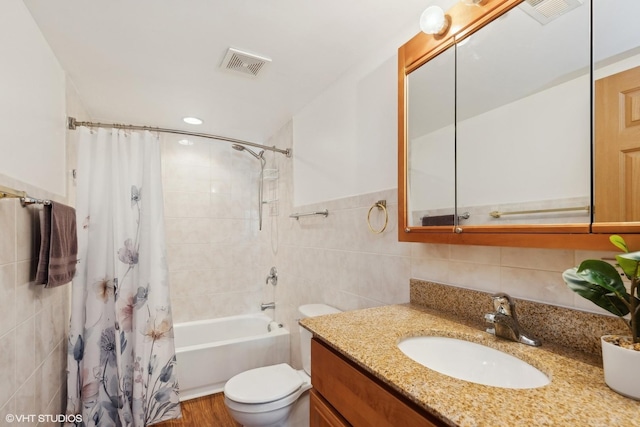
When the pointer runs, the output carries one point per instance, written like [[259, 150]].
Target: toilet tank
[[310, 310]]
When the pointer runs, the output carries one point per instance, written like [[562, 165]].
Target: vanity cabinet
[[322, 413], [343, 394]]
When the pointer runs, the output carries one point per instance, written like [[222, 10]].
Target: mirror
[[522, 122], [522, 131], [431, 141], [616, 70]]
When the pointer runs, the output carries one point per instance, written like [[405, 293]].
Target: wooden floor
[[207, 411]]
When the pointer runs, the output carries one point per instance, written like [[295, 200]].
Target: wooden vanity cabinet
[[345, 395], [322, 413]]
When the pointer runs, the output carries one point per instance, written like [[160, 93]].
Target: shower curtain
[[121, 355]]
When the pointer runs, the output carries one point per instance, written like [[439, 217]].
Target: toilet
[[276, 395]]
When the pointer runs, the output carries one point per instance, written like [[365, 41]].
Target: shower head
[[253, 153]]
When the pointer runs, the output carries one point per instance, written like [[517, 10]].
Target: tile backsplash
[[567, 327]]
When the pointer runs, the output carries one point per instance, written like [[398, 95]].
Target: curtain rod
[[72, 123]]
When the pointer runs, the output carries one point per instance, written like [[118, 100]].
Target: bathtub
[[210, 352]]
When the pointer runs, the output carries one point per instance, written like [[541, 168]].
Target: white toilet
[[276, 395]]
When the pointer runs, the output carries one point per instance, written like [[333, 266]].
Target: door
[[617, 147]]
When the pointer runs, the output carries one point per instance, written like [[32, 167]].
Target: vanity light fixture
[[192, 120], [433, 21]]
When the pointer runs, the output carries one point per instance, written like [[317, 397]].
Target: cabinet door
[[322, 414], [359, 398], [617, 130]]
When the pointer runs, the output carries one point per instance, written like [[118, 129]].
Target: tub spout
[[264, 306]]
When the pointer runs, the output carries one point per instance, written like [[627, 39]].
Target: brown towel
[[58, 245], [438, 220]]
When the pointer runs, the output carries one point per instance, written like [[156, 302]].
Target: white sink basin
[[472, 362]]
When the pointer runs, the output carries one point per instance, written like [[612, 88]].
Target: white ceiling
[[152, 62]]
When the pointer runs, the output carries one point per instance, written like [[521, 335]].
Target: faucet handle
[[272, 277], [490, 318], [502, 303]]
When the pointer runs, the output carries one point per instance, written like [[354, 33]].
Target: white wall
[[500, 168], [211, 220], [345, 140], [432, 179], [32, 103], [617, 67], [506, 155]]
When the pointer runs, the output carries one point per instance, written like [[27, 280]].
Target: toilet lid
[[262, 385]]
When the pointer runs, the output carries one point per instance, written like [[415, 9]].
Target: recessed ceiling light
[[185, 142], [192, 120]]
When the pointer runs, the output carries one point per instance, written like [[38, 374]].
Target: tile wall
[[527, 273], [34, 320], [213, 242]]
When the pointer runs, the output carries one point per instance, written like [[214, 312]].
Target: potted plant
[[602, 283]]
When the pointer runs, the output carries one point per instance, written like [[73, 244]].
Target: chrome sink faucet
[[506, 323]]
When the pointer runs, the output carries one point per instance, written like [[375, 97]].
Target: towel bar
[[6, 192], [324, 213]]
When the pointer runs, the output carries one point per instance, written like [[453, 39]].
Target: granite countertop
[[576, 396]]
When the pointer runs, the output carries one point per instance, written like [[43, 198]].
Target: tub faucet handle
[[272, 277]]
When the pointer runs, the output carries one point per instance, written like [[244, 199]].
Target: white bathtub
[[210, 352]]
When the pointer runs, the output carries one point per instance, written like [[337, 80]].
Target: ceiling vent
[[545, 11], [244, 63]]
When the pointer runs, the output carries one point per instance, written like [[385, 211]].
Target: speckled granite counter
[[576, 396]]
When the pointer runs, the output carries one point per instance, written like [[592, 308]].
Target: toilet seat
[[263, 385]]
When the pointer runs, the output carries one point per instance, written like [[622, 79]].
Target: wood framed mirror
[[504, 163], [616, 77]]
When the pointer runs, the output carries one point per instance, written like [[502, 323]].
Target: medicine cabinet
[[520, 126]]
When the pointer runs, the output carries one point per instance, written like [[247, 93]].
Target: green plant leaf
[[629, 263], [619, 243], [603, 274], [588, 284]]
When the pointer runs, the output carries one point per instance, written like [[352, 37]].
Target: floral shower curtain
[[121, 358]]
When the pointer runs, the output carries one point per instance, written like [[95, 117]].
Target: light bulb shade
[[432, 20], [192, 120]]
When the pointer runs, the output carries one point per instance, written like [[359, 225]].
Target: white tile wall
[[213, 243], [34, 319], [528, 273]]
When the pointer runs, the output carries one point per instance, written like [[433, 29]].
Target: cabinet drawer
[[361, 399], [322, 414]]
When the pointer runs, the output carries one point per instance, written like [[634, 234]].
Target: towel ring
[[380, 204]]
